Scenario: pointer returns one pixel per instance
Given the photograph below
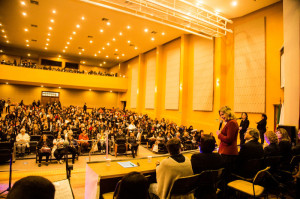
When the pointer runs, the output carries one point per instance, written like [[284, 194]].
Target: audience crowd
[[28, 64]]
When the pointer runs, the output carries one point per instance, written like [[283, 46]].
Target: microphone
[[220, 125]]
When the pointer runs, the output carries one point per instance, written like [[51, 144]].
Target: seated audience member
[[58, 148], [296, 149], [285, 146], [120, 135], [44, 148], [131, 126], [272, 149], [251, 149], [133, 145], [170, 169], [22, 141], [187, 141], [206, 160], [36, 187], [133, 186], [83, 140], [72, 148]]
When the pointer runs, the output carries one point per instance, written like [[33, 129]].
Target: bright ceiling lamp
[[179, 14]]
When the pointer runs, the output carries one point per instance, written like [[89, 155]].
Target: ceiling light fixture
[[103, 48], [114, 39], [116, 50], [46, 48], [128, 27], [82, 18], [66, 47], [23, 3], [59, 87], [91, 41], [128, 41], [234, 3], [53, 11], [68, 43], [64, 50], [59, 55], [108, 23], [118, 58], [83, 62], [2, 30], [146, 30], [74, 33], [27, 45], [27, 40], [108, 43], [47, 44], [28, 55], [82, 49], [95, 55], [162, 33], [120, 33], [7, 41], [5, 36], [24, 13], [50, 28], [52, 20], [48, 39], [123, 55], [152, 38], [70, 38], [79, 53], [99, 51], [26, 30], [100, 64], [101, 30], [49, 34], [106, 56], [104, 62], [77, 26], [136, 48]]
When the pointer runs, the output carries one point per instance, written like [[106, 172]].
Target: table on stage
[[101, 178]]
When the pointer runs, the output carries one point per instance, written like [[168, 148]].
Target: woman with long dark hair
[[262, 127]]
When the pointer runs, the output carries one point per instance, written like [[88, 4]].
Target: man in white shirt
[[22, 141], [131, 126]]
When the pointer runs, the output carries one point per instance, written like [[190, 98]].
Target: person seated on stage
[[58, 148], [133, 145], [44, 149], [206, 160], [83, 141], [272, 149], [36, 187], [73, 147], [170, 169], [285, 147], [251, 149], [22, 141], [133, 186]]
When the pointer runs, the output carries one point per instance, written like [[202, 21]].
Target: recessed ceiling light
[[70, 38], [27, 45], [24, 29], [123, 55], [135, 47], [46, 48], [110, 91], [128, 27], [117, 57], [28, 54], [120, 33], [59, 55], [128, 41], [5, 36], [53, 11], [108, 43], [2, 30], [0, 24], [47, 44], [101, 30], [68, 43], [95, 55], [79, 53], [64, 50], [23, 3], [152, 38], [234, 3], [108, 23], [59, 87], [103, 48], [66, 47], [90, 89], [104, 62], [99, 51], [6, 83], [106, 56], [7, 41], [24, 13], [114, 39], [82, 18], [91, 41], [27, 40], [77, 26], [100, 64], [48, 39], [163, 33], [116, 50], [52, 20], [49, 34], [83, 62], [42, 86], [74, 33], [82, 49], [1, 51], [50, 28], [146, 30]]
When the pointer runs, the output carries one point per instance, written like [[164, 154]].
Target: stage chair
[[250, 188]]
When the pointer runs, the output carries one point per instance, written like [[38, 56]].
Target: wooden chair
[[251, 187]]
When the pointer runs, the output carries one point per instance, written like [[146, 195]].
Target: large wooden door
[[49, 97]]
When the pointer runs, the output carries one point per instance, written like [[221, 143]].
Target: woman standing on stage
[[262, 127], [243, 127], [228, 137]]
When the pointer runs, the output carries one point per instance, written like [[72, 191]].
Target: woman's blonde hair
[[271, 136], [226, 110], [285, 135]]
